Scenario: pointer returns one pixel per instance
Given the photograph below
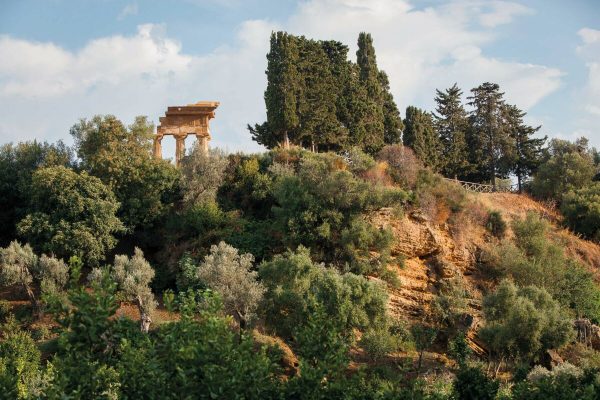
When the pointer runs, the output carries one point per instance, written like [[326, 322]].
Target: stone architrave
[[181, 121]]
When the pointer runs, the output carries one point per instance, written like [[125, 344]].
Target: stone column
[[203, 142], [158, 146], [179, 148]]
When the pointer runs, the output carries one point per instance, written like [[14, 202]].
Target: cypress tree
[[421, 136], [283, 88], [452, 123], [319, 126], [392, 122], [529, 151], [369, 78], [490, 144], [315, 97]]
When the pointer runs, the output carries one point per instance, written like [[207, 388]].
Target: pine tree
[[529, 151], [452, 123], [421, 136], [489, 142], [283, 87]]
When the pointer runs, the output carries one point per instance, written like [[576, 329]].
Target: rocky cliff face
[[425, 252]]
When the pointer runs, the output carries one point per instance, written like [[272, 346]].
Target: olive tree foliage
[[133, 276], [20, 266], [230, 274], [202, 174], [70, 213], [296, 287], [533, 259], [522, 323]]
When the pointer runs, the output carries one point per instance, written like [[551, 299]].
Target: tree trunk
[[33, 299], [420, 362], [145, 319], [286, 141]]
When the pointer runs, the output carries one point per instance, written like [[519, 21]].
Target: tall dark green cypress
[[452, 123], [392, 122], [320, 100], [369, 79], [529, 151], [490, 144], [319, 126], [421, 136], [283, 87]]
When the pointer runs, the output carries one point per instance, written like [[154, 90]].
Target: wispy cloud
[[129, 9], [589, 50]]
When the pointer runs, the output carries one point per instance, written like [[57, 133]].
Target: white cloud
[[425, 49], [129, 9], [502, 12], [590, 52], [44, 88]]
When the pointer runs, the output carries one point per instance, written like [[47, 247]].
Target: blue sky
[[64, 60]]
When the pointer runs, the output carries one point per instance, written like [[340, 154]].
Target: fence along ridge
[[483, 187]]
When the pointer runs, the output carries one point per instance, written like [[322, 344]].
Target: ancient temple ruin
[[181, 121]]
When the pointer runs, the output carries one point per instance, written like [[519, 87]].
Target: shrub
[[581, 209], [534, 260], [472, 383], [450, 303], [438, 197], [295, 286], [202, 174], [378, 343], [5, 309], [459, 349], [565, 381], [404, 166], [322, 207], [20, 372], [496, 224], [523, 323]]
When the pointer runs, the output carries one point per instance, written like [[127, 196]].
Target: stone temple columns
[[181, 121], [179, 148], [158, 146], [203, 143]]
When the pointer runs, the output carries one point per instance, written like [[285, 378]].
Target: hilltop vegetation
[[354, 272]]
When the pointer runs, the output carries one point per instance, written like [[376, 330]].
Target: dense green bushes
[[523, 322], [296, 285], [533, 259], [581, 209]]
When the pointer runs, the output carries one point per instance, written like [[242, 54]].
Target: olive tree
[[230, 274], [523, 322], [20, 266], [133, 276], [202, 174]]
